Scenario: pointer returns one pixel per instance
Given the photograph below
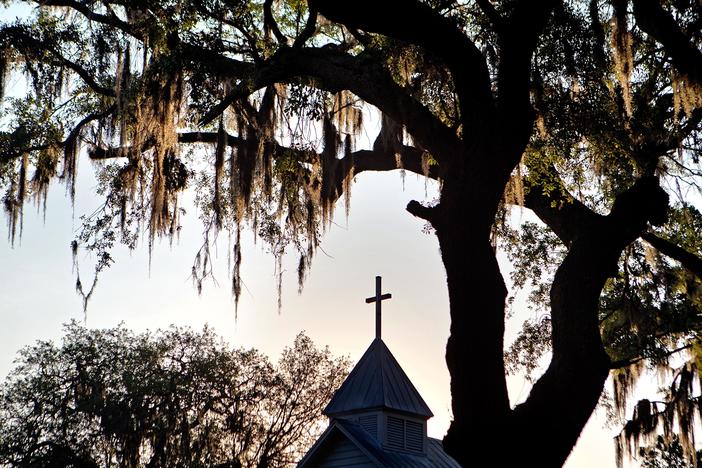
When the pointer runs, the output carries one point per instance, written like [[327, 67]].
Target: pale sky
[[37, 291]]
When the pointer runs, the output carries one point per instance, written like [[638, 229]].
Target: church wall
[[340, 453]]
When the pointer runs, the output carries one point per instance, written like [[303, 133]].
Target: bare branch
[[269, 23], [308, 31]]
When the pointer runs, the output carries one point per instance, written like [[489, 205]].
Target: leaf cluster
[[170, 398]]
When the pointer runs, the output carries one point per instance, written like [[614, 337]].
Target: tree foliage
[[171, 398], [666, 455], [584, 112]]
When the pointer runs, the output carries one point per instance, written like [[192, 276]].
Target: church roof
[[377, 381], [375, 455]]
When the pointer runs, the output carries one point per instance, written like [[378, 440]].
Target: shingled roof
[[377, 382]]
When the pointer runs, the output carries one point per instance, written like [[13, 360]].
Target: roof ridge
[[377, 381]]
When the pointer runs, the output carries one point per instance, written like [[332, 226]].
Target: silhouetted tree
[[666, 455], [170, 398], [578, 110]]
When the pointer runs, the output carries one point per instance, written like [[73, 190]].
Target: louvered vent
[[370, 424], [396, 432], [414, 436]]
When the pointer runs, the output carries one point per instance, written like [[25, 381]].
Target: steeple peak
[[377, 382]]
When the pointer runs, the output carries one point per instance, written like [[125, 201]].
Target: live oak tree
[[587, 113], [170, 398]]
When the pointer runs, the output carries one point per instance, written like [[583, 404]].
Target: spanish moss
[[622, 48]]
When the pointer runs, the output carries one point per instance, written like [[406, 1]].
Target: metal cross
[[377, 299]]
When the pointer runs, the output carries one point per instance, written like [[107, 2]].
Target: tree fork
[[563, 399]]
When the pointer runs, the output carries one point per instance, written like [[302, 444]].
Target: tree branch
[[363, 160], [421, 25], [427, 213], [687, 259], [517, 41], [333, 71], [492, 14], [363, 76], [27, 44], [110, 20], [86, 120], [239, 92], [560, 211], [86, 77], [653, 19], [227, 68], [580, 365], [308, 31], [628, 362], [269, 23]]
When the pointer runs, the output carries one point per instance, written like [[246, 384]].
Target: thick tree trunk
[[474, 353], [548, 425], [543, 430]]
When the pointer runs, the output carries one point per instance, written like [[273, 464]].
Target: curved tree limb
[[109, 20], [560, 211], [687, 259], [653, 19], [580, 364], [73, 134], [309, 29], [25, 43], [270, 24], [421, 25], [333, 70], [228, 68], [363, 76]]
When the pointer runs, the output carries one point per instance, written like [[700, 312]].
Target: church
[[377, 418]]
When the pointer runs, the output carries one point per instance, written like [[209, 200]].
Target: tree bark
[[474, 352], [563, 399], [477, 293]]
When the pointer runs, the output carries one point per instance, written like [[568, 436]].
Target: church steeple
[[379, 396], [377, 383], [377, 418]]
